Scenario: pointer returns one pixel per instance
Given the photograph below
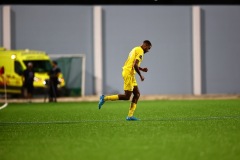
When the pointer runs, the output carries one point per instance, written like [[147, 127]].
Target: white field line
[[3, 106], [117, 120]]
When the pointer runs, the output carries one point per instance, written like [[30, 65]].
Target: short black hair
[[147, 42], [55, 62]]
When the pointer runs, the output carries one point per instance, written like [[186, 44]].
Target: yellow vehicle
[[15, 61]]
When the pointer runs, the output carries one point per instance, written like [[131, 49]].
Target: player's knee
[[137, 95], [127, 97]]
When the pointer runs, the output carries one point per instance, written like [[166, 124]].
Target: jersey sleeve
[[139, 54]]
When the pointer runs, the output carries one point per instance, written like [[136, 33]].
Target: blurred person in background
[[53, 82], [28, 78]]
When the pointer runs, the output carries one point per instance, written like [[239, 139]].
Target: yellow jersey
[[136, 53]]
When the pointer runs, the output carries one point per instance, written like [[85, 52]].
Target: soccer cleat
[[132, 119], [101, 101]]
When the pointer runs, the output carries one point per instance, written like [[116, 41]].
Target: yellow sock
[[132, 108], [111, 98]]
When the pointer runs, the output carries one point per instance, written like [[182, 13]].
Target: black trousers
[[53, 91]]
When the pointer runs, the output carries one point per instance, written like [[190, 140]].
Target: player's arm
[[143, 69], [137, 69]]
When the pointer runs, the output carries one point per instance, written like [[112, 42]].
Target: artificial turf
[[168, 130]]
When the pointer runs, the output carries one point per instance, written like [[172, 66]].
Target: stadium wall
[[69, 29]]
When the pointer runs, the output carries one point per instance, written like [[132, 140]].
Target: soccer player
[[130, 68]]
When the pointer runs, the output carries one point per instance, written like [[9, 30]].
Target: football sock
[[132, 108], [111, 98]]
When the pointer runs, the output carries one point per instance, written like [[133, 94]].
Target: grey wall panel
[[56, 29], [68, 29], [169, 60], [221, 49]]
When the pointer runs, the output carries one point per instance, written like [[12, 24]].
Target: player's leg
[[133, 105], [128, 88], [104, 98], [125, 96], [136, 94]]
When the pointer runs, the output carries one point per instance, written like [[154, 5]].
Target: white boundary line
[[3, 106], [117, 120]]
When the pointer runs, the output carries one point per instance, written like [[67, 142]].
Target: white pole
[[5, 88], [97, 33], [5, 91], [7, 27], [196, 32], [83, 76], [6, 40]]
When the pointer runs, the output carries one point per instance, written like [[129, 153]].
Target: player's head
[[146, 46]]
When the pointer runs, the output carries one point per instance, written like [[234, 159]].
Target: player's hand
[[144, 69], [142, 78]]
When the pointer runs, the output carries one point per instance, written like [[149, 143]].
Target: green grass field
[[168, 130]]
